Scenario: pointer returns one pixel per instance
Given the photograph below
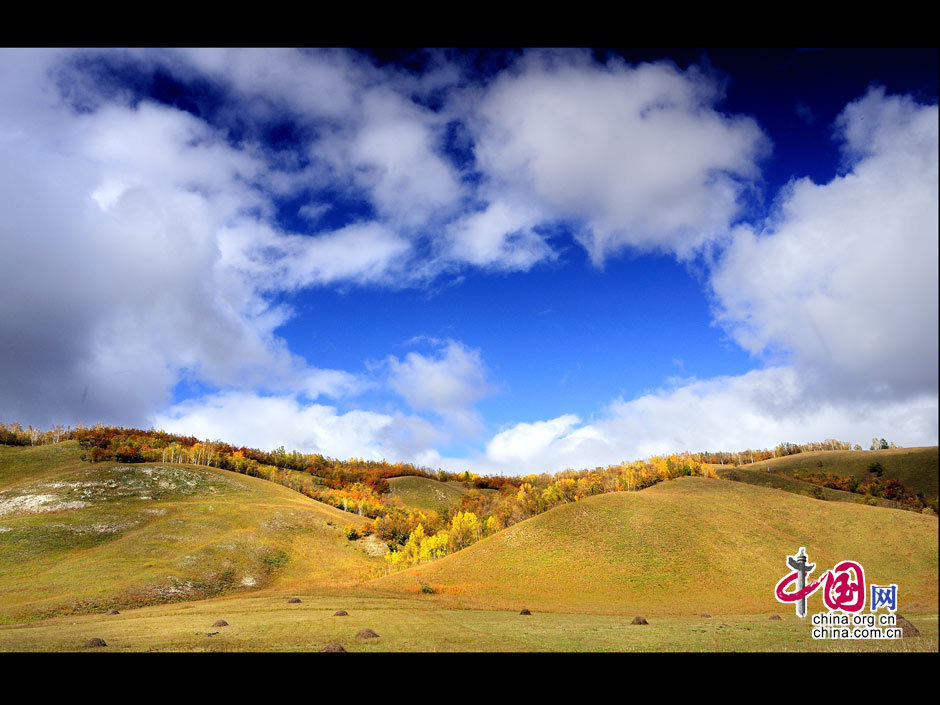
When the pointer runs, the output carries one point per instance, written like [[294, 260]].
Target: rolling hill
[[763, 478], [80, 537], [917, 468], [156, 540], [693, 545], [425, 493]]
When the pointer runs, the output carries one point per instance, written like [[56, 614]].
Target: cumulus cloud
[[108, 293], [842, 282], [637, 154], [501, 236], [139, 250], [448, 383], [315, 383], [393, 155], [361, 252], [844, 277], [372, 137], [526, 442], [321, 83], [759, 409], [142, 245], [267, 422]]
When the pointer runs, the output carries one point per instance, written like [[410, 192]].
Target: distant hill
[[763, 478], [424, 493], [78, 537], [917, 468], [688, 546]]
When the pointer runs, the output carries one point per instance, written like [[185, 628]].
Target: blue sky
[[509, 261]]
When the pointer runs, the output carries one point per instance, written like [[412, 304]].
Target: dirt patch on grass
[[97, 485], [36, 503], [373, 546], [286, 521]]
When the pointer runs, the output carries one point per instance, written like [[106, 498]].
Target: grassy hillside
[[693, 545], [917, 468], [762, 478], [77, 537], [424, 493], [27, 464]]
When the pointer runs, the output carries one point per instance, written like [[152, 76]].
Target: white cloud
[[845, 276], [639, 155], [371, 135], [140, 247], [267, 422], [331, 383], [454, 379], [361, 253], [393, 155], [448, 384], [526, 442], [123, 273], [317, 83], [757, 410], [500, 236]]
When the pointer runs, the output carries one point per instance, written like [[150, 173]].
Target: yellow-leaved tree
[[465, 529]]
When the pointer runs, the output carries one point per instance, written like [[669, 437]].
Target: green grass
[[916, 468], [762, 478], [175, 562], [20, 464], [268, 623], [689, 546], [425, 493], [77, 537]]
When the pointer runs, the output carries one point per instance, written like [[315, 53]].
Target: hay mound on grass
[[639, 620], [774, 616], [333, 647], [294, 600], [525, 612], [220, 623], [341, 613], [907, 629], [114, 612], [367, 634], [95, 642]]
